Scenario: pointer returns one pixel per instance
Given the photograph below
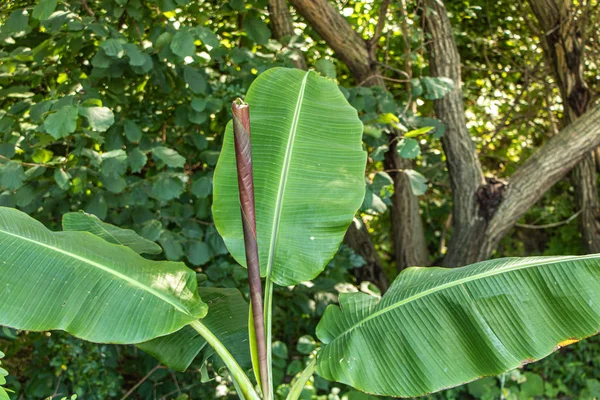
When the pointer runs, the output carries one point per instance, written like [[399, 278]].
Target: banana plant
[[288, 182]]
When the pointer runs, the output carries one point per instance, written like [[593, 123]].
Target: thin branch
[[380, 24], [28, 164], [135, 25], [442, 248], [552, 225], [379, 76], [507, 115], [87, 8], [144, 379], [408, 76]]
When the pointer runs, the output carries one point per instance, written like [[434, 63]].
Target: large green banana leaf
[[308, 174], [437, 328], [79, 283], [227, 316], [227, 319]]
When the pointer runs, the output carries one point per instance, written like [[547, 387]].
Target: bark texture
[[563, 45], [410, 248], [485, 210], [466, 176], [544, 168], [282, 27], [352, 49], [359, 240], [357, 54]]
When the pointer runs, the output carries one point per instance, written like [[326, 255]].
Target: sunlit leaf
[[308, 167], [418, 183], [437, 328], [90, 285]]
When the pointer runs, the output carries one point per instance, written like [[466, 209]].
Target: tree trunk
[[410, 247], [356, 53], [540, 172], [466, 176], [488, 210], [587, 199], [339, 35], [359, 240], [563, 45], [282, 27]]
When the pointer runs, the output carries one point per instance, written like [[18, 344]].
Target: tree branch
[[466, 175], [339, 35], [380, 24], [282, 26], [564, 44], [484, 213], [540, 172]]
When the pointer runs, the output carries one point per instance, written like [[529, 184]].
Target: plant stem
[[238, 390], [297, 387], [243, 158], [238, 375], [268, 329]]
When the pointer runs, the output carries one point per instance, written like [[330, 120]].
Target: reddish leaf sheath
[[243, 156]]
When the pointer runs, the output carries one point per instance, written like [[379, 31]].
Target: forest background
[[481, 121]]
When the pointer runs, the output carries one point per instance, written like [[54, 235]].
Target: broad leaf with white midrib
[[437, 328], [308, 167], [79, 283]]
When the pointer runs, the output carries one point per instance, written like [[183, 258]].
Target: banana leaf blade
[[438, 328]]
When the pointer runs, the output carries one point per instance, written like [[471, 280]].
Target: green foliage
[[91, 285], [418, 183], [90, 223], [89, 94], [103, 116], [408, 148], [228, 320], [3, 375]]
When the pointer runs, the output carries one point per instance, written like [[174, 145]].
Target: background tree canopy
[[481, 120]]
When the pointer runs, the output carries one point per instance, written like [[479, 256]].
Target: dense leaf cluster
[[118, 107]]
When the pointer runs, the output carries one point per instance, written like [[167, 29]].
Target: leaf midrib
[[103, 268], [102, 228], [459, 282], [283, 178]]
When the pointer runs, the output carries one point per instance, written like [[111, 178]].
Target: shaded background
[[89, 88]]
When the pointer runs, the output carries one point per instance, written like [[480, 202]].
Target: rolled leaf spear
[[243, 157]]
